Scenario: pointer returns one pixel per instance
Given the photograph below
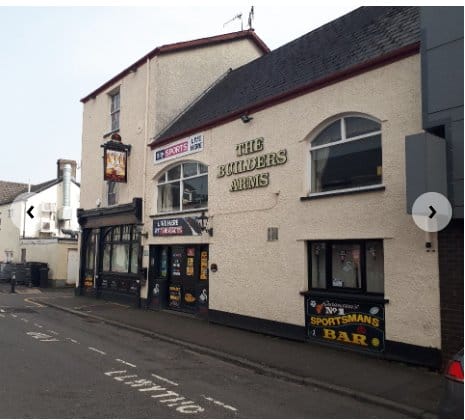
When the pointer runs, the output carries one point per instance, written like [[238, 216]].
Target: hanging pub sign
[[176, 226], [182, 147], [115, 165], [115, 160], [345, 322]]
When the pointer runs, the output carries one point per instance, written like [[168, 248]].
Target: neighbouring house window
[[112, 193], [351, 266], [183, 187], [8, 256], [23, 255], [115, 110], [121, 249], [346, 154]]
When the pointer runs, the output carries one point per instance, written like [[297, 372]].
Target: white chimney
[[65, 213]]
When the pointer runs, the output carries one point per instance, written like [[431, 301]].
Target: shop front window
[[348, 266], [182, 188], [121, 250], [346, 154]]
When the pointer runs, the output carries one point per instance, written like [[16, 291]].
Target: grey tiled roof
[[357, 37], [10, 190]]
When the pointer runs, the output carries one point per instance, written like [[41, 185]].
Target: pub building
[[119, 119], [279, 200]]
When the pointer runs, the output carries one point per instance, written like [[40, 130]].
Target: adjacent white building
[[38, 223]]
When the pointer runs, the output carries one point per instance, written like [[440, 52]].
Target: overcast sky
[[51, 57]]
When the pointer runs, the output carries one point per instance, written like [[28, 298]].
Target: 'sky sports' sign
[[182, 147], [358, 324]]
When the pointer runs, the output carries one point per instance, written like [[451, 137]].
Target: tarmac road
[[57, 365]]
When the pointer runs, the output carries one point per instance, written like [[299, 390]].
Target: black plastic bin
[[43, 276], [35, 273]]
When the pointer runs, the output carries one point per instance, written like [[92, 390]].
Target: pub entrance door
[[179, 278]]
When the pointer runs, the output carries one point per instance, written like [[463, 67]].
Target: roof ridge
[[363, 39], [179, 46]]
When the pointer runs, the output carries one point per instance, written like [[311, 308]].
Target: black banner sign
[[344, 322], [178, 226]]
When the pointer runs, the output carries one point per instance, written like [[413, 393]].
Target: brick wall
[[450, 248]]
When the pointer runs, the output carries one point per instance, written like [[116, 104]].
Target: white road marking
[[2, 310], [41, 336], [97, 350], [14, 316], [114, 372], [181, 404], [53, 332], [24, 320], [228, 407], [34, 303], [72, 340], [161, 378], [125, 363], [38, 326]]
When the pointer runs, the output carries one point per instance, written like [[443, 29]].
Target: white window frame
[[112, 95], [343, 140], [181, 180]]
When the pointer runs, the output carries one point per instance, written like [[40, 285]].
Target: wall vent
[[272, 234]]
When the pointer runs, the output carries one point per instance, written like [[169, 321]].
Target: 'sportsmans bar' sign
[[337, 321], [180, 148]]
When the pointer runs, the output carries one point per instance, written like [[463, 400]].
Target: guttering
[[177, 47], [333, 78]]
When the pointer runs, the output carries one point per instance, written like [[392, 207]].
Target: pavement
[[411, 390]]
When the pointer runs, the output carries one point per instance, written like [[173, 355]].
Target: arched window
[[346, 154], [183, 187]]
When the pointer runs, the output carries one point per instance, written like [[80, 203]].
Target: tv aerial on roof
[[239, 16]]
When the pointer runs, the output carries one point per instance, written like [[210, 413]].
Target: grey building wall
[[442, 89]]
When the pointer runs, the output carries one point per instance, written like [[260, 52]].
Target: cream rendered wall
[[96, 123], [176, 79], [51, 251], [181, 77], [263, 279], [9, 235]]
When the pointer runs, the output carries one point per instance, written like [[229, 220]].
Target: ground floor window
[[121, 249], [350, 266]]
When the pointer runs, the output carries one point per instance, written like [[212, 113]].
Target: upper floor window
[[114, 110], [112, 193], [183, 187], [346, 154]]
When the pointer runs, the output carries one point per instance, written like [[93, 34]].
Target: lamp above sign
[[182, 147]]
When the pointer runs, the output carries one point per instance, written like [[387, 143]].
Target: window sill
[[346, 295], [178, 213], [106, 135], [347, 191]]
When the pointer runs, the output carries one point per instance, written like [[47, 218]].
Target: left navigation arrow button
[[29, 212]]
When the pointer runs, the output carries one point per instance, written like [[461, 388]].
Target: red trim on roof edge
[[356, 70], [180, 46]]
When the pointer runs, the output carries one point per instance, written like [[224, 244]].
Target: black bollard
[[13, 283]]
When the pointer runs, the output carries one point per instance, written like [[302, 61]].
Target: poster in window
[[190, 266], [115, 165], [176, 264], [204, 265], [175, 296]]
